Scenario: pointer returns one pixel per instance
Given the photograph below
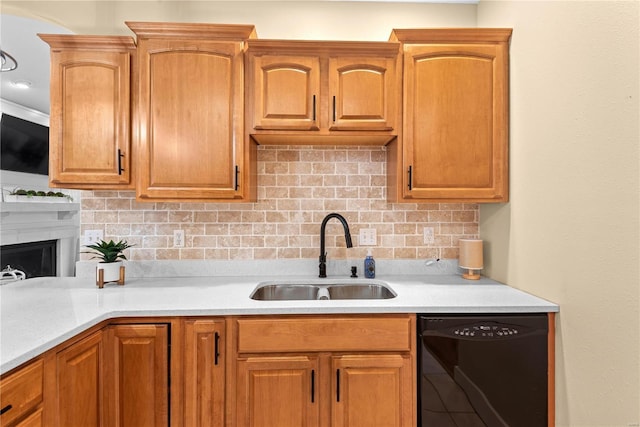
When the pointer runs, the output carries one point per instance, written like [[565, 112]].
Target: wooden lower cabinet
[[21, 396], [80, 383], [338, 371], [365, 390], [137, 383], [204, 373], [248, 371], [36, 419], [372, 390], [278, 392]]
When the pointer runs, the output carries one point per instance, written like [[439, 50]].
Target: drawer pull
[[6, 409], [216, 350], [337, 385], [313, 385]]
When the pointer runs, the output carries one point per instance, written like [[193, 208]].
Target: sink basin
[[322, 290], [360, 291], [285, 292]]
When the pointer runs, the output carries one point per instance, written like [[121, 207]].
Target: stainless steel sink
[[271, 291], [360, 291], [285, 292]]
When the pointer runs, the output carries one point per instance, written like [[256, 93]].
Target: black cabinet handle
[[334, 109], [337, 385], [216, 348], [6, 408], [237, 178], [120, 156], [313, 385], [409, 173], [314, 108]]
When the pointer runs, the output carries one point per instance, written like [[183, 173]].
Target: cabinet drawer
[[33, 420], [20, 392], [324, 333]]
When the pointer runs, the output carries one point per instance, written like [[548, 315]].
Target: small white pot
[[111, 271]]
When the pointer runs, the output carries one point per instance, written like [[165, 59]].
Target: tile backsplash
[[297, 187]]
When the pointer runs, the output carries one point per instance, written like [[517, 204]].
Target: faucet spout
[[347, 238]]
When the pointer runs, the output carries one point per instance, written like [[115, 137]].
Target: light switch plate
[[368, 237]]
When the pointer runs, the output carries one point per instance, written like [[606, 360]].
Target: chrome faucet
[[347, 238]]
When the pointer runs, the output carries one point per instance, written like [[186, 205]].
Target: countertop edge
[[85, 306]]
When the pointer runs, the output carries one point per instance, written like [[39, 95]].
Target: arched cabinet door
[[191, 112], [332, 93], [90, 118], [363, 93], [286, 92], [454, 143]]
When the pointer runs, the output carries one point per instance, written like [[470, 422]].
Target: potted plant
[[111, 255]]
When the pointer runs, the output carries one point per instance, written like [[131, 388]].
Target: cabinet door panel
[[363, 93], [455, 122], [138, 375], [191, 120], [90, 126], [286, 92], [277, 392], [80, 381], [204, 373], [372, 391]]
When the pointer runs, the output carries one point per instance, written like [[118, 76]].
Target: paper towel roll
[[470, 257]]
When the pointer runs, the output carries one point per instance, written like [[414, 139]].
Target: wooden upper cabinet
[[323, 92], [191, 113], [454, 145], [90, 128], [363, 93], [287, 91]]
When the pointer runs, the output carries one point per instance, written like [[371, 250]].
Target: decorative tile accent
[[298, 186]]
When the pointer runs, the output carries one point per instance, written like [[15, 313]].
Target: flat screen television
[[24, 146]]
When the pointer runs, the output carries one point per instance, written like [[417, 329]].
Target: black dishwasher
[[488, 370]]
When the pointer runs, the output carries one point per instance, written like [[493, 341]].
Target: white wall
[[570, 233]]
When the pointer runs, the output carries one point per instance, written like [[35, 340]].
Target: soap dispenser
[[369, 266]]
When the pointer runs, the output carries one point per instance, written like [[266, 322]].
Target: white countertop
[[38, 314]]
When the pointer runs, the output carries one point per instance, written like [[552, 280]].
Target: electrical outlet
[[368, 237], [92, 236], [178, 238], [429, 237]]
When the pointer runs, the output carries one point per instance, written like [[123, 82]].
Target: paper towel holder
[[470, 258]]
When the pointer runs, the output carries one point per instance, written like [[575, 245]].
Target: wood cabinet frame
[[92, 85], [352, 353], [455, 136], [190, 141], [298, 347], [325, 86]]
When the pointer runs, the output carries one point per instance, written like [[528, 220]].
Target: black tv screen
[[25, 146]]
